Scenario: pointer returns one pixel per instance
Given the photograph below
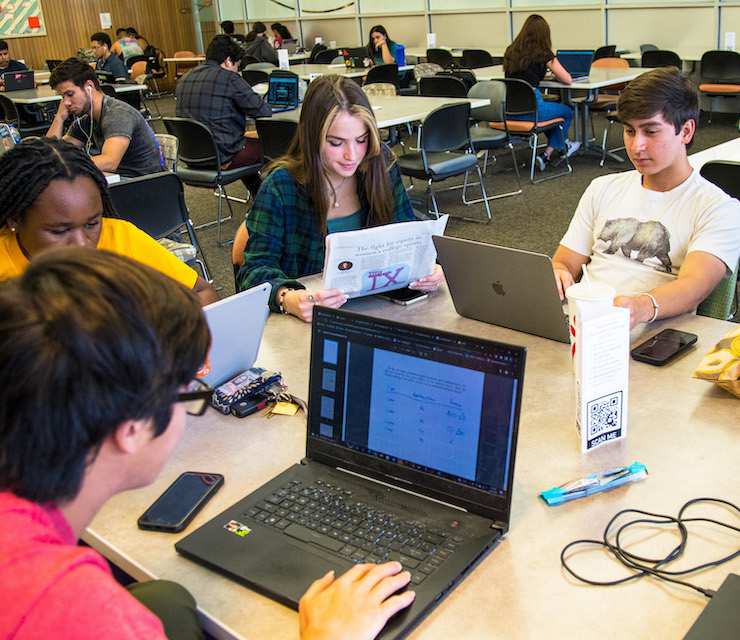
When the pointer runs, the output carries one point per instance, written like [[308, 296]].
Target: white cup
[[333, 44], [587, 298]]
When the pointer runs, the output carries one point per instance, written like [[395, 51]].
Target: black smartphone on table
[[664, 347], [181, 502], [404, 296]]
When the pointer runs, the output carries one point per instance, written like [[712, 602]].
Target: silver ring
[[310, 297]]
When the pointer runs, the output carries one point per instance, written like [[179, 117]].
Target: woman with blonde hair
[[529, 58], [336, 176]]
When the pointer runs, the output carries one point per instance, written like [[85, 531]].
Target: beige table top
[[686, 431], [729, 150], [45, 93], [598, 77], [393, 110]]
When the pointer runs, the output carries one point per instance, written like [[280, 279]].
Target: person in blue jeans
[[529, 58]]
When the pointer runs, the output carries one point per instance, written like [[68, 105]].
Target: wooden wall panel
[[70, 23]]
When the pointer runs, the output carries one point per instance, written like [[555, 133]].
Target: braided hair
[[29, 168]]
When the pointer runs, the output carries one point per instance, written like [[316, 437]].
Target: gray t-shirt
[[121, 119]]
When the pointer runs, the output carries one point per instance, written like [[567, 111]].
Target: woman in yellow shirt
[[52, 195]]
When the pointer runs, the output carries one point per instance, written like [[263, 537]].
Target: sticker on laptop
[[238, 528]]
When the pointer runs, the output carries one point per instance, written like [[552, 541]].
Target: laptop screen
[[576, 61], [283, 91], [436, 410]]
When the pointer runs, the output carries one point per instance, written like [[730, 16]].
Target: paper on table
[[380, 259]]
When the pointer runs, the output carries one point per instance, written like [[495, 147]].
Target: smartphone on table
[[181, 502], [664, 347], [404, 296]]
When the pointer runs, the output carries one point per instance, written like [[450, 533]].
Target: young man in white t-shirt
[[662, 235]]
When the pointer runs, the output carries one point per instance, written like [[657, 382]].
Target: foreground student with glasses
[[96, 351]]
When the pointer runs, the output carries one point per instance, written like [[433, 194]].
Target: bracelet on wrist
[[281, 300], [655, 307]]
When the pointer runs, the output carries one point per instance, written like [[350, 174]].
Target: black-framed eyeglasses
[[196, 398]]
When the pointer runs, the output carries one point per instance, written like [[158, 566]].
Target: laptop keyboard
[[327, 515]]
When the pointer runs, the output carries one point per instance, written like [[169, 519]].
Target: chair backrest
[[647, 47], [155, 203], [607, 51], [466, 75], [197, 145], [719, 303], [380, 89], [520, 98], [383, 73], [720, 66], [168, 147], [9, 111], [447, 128], [130, 62], [660, 58], [442, 86], [476, 58], [326, 56], [182, 67], [317, 49], [495, 92], [139, 69], [108, 89], [442, 57], [255, 76], [426, 69], [275, 136], [611, 63]]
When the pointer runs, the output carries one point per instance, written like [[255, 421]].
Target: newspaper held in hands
[[380, 259]]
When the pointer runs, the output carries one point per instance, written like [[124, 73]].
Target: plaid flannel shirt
[[284, 242]]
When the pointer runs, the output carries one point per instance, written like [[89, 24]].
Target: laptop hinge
[[394, 486]]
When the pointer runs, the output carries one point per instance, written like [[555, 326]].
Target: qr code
[[604, 414]]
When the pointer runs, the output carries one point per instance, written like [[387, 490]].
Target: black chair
[[317, 49], [607, 51], [383, 73], [442, 57], [648, 47], [11, 115], [134, 59], [255, 76], [485, 138], [442, 87], [720, 76], [155, 203], [722, 302], [476, 58], [521, 100], [445, 150], [248, 60], [660, 58], [200, 163], [275, 136], [327, 55]]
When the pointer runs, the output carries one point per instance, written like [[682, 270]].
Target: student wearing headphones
[[125, 142], [105, 60]]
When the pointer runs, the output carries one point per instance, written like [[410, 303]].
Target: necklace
[[334, 191]]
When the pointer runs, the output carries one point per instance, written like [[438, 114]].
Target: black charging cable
[[656, 567]]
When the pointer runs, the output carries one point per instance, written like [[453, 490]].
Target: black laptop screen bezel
[[479, 501]]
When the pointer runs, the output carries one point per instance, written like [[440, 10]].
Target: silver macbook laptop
[[411, 442], [236, 325], [502, 286]]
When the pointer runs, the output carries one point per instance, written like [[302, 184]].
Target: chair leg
[[222, 195], [202, 261], [568, 170], [497, 196]]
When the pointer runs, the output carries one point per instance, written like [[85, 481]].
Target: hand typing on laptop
[[356, 605]]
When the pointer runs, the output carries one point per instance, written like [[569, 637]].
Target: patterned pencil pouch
[[243, 386]]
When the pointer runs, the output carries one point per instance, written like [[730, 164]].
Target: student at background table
[[336, 176], [528, 58], [380, 48], [96, 353], [127, 45], [280, 34], [259, 46], [6, 63], [52, 195], [106, 60]]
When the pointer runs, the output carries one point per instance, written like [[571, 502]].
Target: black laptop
[[410, 452], [283, 91], [577, 62], [18, 80]]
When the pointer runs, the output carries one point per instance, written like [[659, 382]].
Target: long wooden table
[[684, 430]]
